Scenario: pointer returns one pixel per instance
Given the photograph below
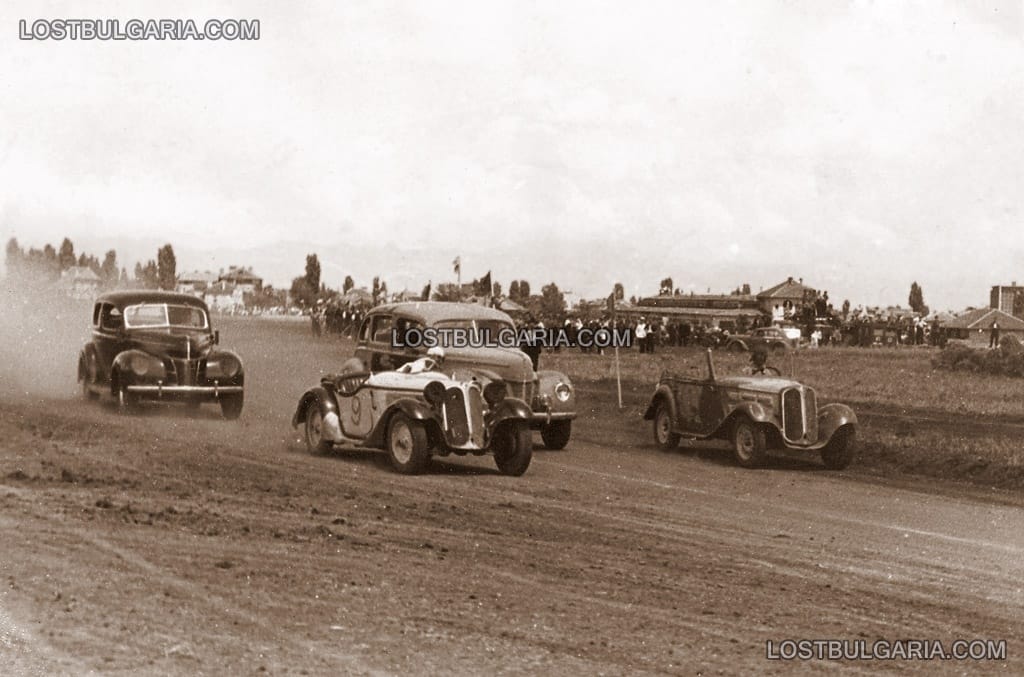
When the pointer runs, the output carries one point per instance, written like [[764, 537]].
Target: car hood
[[761, 384], [174, 343], [510, 364]]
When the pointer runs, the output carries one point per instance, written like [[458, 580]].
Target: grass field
[[915, 421], [902, 379]]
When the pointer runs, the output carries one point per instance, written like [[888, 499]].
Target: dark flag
[[483, 286]]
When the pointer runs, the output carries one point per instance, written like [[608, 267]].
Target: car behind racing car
[[415, 412]]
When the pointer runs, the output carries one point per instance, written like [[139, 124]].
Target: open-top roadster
[[417, 411], [755, 413]]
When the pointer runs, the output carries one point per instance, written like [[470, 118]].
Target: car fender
[[510, 408], [662, 392], [321, 397], [831, 418], [754, 411], [546, 381], [414, 409], [121, 370], [731, 345], [239, 378], [87, 353]]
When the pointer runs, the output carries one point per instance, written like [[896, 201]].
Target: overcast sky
[[859, 145]]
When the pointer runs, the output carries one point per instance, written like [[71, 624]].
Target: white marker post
[[618, 376]]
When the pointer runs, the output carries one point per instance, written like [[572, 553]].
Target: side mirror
[[216, 336]]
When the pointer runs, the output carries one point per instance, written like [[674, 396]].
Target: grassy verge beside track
[[915, 421]]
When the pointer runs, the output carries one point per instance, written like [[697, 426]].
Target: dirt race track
[[170, 544]]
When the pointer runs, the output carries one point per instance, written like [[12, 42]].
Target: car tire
[[840, 450], [513, 448], [87, 392], [231, 405], [556, 434], [664, 437], [127, 402], [407, 445], [778, 348], [313, 430], [736, 347], [748, 443]]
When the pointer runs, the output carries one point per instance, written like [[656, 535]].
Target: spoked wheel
[[513, 448], [315, 442], [748, 443], [408, 447], [663, 435]]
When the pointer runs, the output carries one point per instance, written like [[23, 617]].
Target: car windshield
[[164, 315], [492, 328]]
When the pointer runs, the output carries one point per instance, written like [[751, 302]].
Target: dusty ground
[[163, 544]]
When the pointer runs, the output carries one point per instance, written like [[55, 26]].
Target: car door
[[695, 406], [108, 338]]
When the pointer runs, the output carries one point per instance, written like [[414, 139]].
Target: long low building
[[974, 325]]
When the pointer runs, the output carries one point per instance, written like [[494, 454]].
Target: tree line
[[48, 264]]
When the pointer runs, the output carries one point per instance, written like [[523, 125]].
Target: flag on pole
[[457, 264]]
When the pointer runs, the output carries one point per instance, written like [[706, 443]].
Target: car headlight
[[563, 391], [227, 365], [141, 365]]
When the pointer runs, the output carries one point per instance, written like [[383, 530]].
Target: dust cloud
[[42, 331]]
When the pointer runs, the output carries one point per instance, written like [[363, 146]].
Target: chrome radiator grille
[[792, 414], [455, 416], [800, 415], [811, 414], [476, 416], [186, 372]]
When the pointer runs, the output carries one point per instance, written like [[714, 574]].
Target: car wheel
[[513, 448], [839, 451], [748, 443], [407, 444], [87, 392], [127, 402], [555, 435], [778, 348], [663, 435], [231, 405], [736, 347], [315, 442]]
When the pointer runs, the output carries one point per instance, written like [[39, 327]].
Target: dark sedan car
[[152, 345]]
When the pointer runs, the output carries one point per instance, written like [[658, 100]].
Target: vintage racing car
[[755, 413], [550, 394], [417, 411], [156, 345]]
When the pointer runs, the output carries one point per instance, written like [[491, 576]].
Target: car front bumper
[[187, 392]]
